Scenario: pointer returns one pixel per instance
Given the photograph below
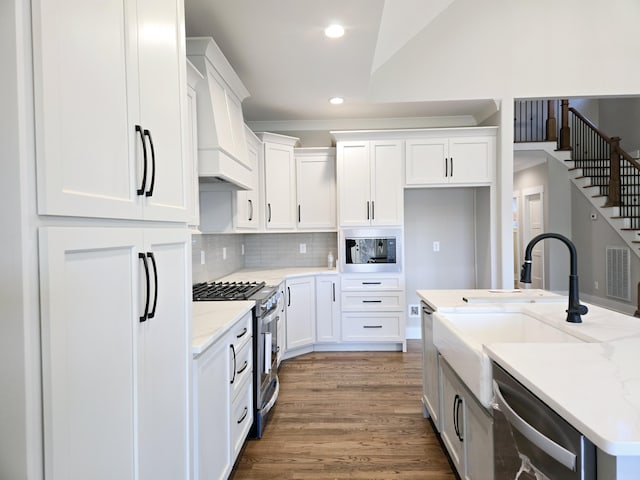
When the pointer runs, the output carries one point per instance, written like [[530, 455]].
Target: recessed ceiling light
[[336, 101], [334, 31]]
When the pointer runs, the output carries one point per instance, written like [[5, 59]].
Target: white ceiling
[[291, 69]]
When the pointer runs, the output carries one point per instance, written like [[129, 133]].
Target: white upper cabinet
[[191, 142], [370, 182], [248, 205], [109, 98], [464, 156], [316, 188], [279, 181]]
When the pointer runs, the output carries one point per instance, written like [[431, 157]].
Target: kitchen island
[[593, 383]]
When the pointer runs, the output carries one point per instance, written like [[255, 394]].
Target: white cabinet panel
[[301, 310], [371, 326], [387, 196], [327, 308], [426, 161], [316, 188], [248, 202], [430, 370], [280, 192], [472, 159], [354, 194], [109, 81]]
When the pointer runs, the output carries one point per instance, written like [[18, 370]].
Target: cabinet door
[[212, 405], [479, 440], [301, 310], [247, 201], [164, 358], [316, 191], [430, 371], [472, 159], [327, 308], [191, 153], [279, 168], [453, 418], [426, 161], [354, 183], [387, 195], [162, 79], [90, 301], [86, 145]]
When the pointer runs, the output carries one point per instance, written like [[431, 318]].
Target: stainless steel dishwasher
[[531, 441]]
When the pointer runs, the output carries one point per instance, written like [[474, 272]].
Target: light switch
[[224, 253], [303, 248], [436, 246]]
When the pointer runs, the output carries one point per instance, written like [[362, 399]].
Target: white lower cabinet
[[223, 401], [301, 312], [466, 428], [115, 352], [430, 370], [327, 308]]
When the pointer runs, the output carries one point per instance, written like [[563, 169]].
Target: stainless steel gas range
[[265, 334]]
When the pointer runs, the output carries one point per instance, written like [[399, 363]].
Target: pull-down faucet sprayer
[[574, 310]]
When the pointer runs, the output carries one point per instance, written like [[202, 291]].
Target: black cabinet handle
[[242, 333], [233, 350], [145, 315], [368, 210], [149, 192], [451, 160], [372, 326], [244, 415], [250, 209], [455, 416], [155, 282], [289, 294], [371, 283], [371, 301], [333, 285], [373, 210], [244, 367], [269, 209], [140, 191], [446, 167], [299, 213]]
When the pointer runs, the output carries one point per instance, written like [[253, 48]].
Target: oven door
[[268, 350]]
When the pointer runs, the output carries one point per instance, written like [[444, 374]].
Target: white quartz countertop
[[595, 385], [211, 320], [274, 276]]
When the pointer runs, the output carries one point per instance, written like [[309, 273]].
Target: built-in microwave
[[371, 250]]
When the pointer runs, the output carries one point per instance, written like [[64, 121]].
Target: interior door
[[533, 205]]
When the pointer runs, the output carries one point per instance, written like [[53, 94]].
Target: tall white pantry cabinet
[[107, 216]]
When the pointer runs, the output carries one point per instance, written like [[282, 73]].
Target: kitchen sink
[[459, 337]]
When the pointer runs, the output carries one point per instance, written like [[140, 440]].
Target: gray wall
[[620, 117], [446, 215]]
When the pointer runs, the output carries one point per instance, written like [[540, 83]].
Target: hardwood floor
[[355, 415]]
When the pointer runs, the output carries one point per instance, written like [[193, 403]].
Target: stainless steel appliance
[[265, 335], [371, 250], [531, 441]]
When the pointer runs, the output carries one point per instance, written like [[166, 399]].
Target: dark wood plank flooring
[[348, 415]]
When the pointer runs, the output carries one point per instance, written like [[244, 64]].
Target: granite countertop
[[595, 385], [211, 320]]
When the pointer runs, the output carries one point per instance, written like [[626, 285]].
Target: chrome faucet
[[575, 310]]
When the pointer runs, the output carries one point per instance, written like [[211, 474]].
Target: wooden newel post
[[552, 124], [565, 131], [614, 174]]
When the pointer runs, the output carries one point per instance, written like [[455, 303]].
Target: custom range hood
[[222, 146]]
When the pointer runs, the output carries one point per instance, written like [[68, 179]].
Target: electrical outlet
[[224, 253], [242, 249], [595, 285], [201, 257], [414, 310], [303, 248], [436, 246]]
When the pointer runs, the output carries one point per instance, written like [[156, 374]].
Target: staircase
[[608, 176]]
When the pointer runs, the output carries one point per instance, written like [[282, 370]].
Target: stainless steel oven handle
[[274, 396], [551, 448]]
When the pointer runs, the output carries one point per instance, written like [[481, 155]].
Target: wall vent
[[618, 273]]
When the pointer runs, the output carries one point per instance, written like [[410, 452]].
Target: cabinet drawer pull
[[143, 184], [233, 350], [242, 333], [333, 286], [372, 326], [155, 282], [250, 209], [373, 210], [371, 301], [244, 367], [371, 283], [368, 211], [299, 213], [145, 315], [451, 159], [149, 192], [269, 211], [446, 167], [244, 415]]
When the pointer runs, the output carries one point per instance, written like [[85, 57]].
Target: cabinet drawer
[[242, 331], [370, 283], [371, 327], [380, 301], [241, 417], [243, 367]]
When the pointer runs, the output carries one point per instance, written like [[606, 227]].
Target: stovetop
[[218, 291]]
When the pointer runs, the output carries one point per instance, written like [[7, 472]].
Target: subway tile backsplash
[[261, 250]]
